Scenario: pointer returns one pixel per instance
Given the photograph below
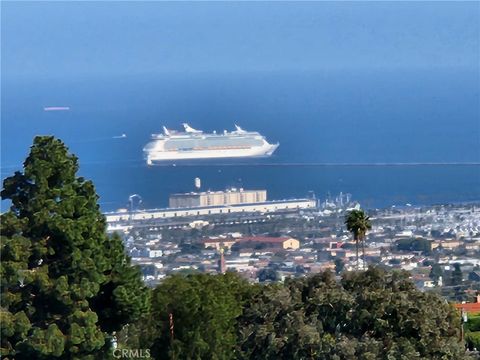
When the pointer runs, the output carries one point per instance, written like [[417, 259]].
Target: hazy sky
[[61, 39]]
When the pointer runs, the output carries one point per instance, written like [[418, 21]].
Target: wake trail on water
[[271, 164], [105, 138], [314, 164]]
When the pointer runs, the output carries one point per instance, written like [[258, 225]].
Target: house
[[446, 244], [423, 282], [155, 253], [285, 243], [474, 276], [219, 243], [470, 308]]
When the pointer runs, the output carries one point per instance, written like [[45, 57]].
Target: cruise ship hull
[[169, 156], [197, 145]]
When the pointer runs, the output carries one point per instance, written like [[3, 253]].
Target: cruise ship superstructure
[[195, 144]]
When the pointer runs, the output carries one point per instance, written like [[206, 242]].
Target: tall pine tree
[[66, 286]]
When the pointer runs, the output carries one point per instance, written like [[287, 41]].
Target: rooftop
[[229, 190], [471, 308], [264, 239]]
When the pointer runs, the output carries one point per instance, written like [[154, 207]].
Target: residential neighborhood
[[438, 245]]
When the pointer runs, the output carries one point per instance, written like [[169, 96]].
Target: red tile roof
[[471, 308], [264, 239]]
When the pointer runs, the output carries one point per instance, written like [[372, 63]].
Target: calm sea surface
[[322, 120]]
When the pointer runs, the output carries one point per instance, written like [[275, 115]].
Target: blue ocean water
[[334, 117]]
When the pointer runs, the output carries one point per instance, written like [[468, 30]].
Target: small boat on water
[[56, 108]]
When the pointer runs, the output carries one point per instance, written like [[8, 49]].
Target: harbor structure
[[230, 196], [171, 213]]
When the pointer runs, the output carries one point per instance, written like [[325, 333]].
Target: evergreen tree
[[436, 273], [457, 275], [369, 315], [194, 316], [66, 286], [267, 274]]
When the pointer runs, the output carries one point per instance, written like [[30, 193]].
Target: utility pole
[[464, 319], [170, 320]]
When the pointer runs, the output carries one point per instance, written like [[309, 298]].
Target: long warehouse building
[[230, 196], [260, 207]]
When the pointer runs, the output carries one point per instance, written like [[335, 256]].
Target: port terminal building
[[170, 213], [232, 196]]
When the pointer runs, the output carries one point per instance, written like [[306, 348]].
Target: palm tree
[[358, 223]]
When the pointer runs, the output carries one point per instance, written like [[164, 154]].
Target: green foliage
[[473, 340], [65, 284], [369, 315], [457, 275], [472, 332], [267, 274], [436, 272], [204, 309], [191, 248], [423, 245], [473, 323], [358, 223]]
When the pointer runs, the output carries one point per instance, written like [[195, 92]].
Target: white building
[[214, 198], [263, 207]]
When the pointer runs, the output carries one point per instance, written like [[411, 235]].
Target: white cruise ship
[[194, 144]]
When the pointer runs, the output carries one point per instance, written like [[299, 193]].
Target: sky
[[64, 39]]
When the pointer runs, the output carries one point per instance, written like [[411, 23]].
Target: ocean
[[387, 137]]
